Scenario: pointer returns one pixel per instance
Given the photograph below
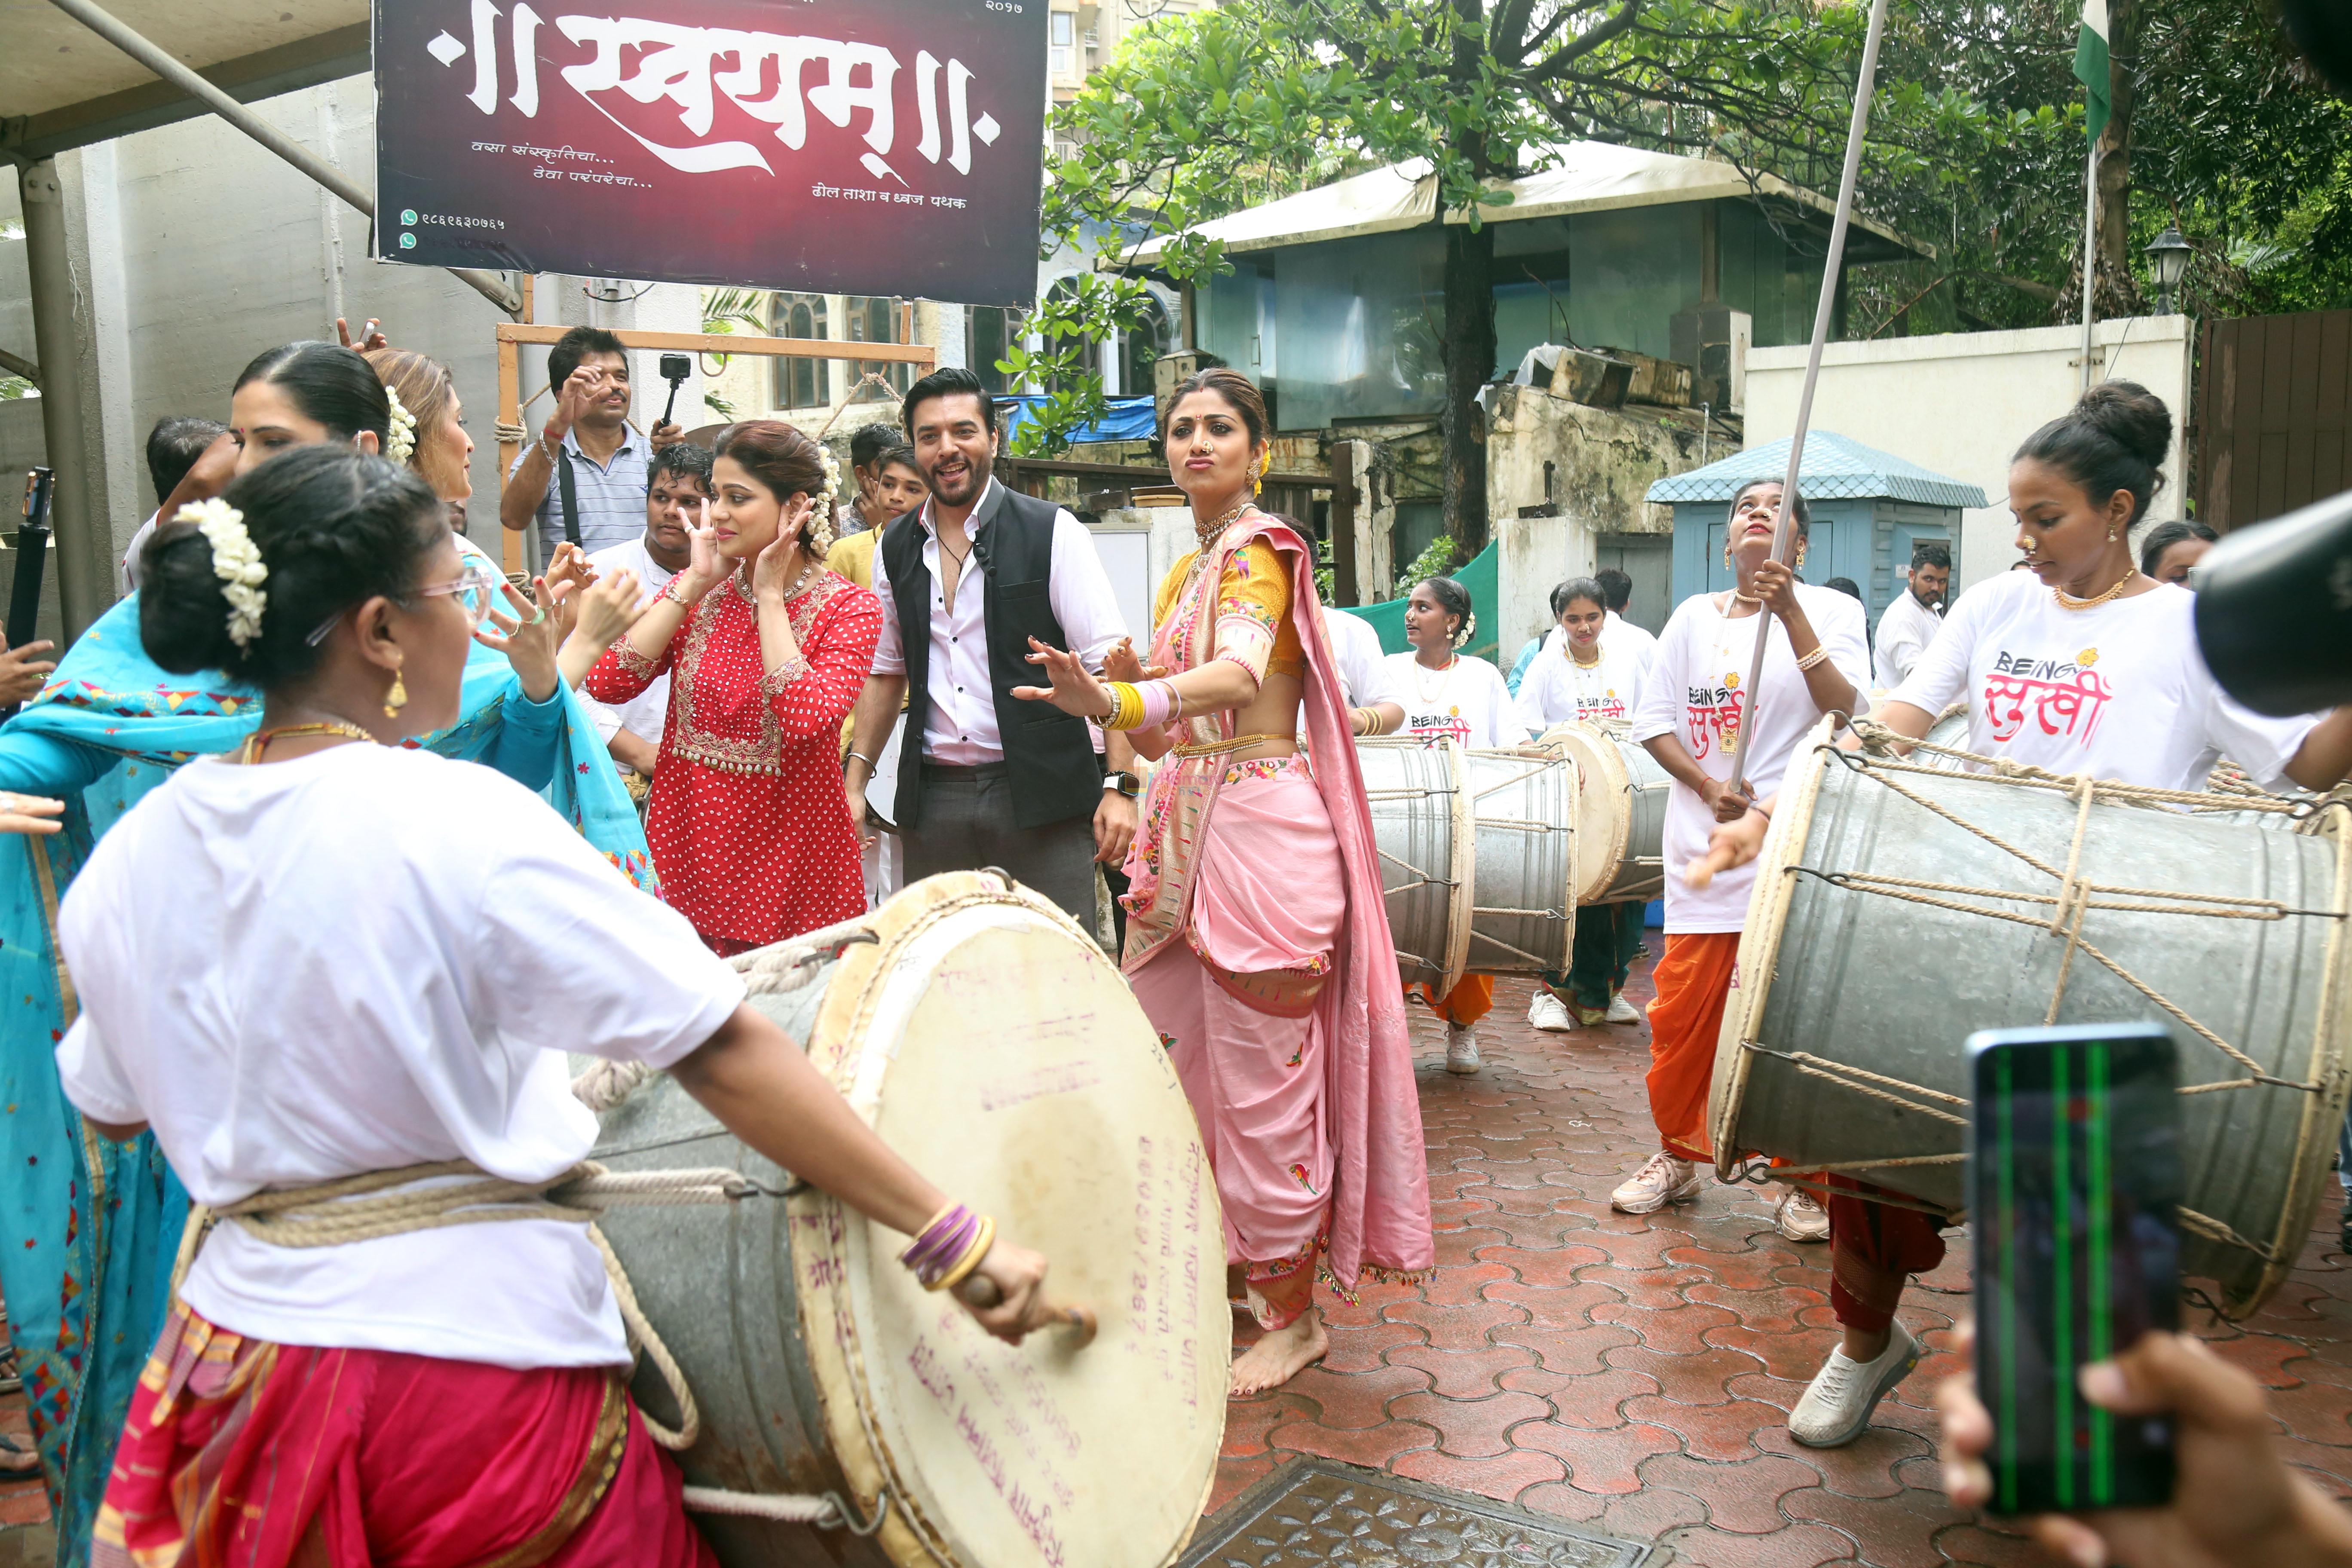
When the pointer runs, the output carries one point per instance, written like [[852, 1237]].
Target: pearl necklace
[[2067, 601]]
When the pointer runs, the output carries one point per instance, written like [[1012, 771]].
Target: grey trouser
[[967, 823]]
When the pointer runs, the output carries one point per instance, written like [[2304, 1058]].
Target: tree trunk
[[2127, 21], [1469, 357]]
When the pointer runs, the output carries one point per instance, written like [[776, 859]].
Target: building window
[[988, 332], [1064, 35], [802, 383], [1146, 341], [873, 319]]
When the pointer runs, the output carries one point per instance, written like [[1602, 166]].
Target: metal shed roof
[[63, 87], [1836, 468], [1586, 176]]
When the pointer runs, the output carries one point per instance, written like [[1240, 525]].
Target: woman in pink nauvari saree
[[1257, 942]]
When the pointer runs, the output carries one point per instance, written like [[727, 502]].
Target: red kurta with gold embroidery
[[749, 825]]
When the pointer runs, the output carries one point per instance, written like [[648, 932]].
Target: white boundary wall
[[1960, 402]]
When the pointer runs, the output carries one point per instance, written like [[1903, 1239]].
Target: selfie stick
[[671, 406], [1830, 268], [32, 554]]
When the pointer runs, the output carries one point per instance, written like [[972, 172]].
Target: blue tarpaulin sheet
[[1130, 419]]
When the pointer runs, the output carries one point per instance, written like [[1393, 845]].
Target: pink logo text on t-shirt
[[2058, 695]]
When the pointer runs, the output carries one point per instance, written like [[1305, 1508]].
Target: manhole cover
[[1315, 1512]]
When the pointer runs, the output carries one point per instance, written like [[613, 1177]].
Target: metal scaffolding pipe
[[155, 59], [67, 398]]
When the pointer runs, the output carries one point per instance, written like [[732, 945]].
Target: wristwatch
[[1126, 784]]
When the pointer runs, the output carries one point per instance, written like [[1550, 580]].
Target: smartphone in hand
[[2074, 1192]]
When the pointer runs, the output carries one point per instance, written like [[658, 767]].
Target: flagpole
[[1823, 306], [2090, 253]]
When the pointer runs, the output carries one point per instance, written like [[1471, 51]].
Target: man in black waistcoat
[[987, 778]]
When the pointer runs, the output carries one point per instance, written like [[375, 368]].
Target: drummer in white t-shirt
[[1449, 697], [1586, 677], [2083, 665], [1816, 661], [1375, 700]]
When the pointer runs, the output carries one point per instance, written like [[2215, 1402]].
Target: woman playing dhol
[[95, 1224], [1258, 943], [1692, 710], [1450, 698], [768, 650], [379, 957]]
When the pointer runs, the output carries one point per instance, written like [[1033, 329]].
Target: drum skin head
[[1600, 824], [991, 1041]]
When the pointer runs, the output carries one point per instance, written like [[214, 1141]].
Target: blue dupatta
[[88, 1228]]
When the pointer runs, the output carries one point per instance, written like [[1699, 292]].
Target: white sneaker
[[1662, 1180], [1836, 1407], [1462, 1048], [1800, 1216], [1550, 1014], [1624, 1012]]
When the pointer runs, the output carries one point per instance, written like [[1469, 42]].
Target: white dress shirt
[[1904, 630], [959, 724], [643, 714]]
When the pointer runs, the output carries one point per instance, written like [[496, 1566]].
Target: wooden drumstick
[[979, 1290]]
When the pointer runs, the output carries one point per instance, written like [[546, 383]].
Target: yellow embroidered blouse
[[1254, 625]]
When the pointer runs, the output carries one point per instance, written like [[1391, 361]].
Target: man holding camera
[[585, 478]]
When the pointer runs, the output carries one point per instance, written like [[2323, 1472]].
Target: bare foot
[[1281, 1355]]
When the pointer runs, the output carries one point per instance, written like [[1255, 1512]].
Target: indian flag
[[2091, 65]]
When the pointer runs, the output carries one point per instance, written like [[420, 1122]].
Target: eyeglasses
[[475, 584]]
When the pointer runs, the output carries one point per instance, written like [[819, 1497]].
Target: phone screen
[[2076, 1182]]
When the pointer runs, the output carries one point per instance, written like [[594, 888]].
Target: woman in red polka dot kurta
[[767, 651]]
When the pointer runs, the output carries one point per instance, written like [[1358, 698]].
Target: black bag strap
[[567, 492]]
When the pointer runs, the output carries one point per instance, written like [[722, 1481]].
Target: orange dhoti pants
[[1472, 998], [1694, 981], [1888, 1240]]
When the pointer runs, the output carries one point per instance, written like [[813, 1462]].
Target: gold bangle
[[1126, 707], [972, 1257], [1820, 653]]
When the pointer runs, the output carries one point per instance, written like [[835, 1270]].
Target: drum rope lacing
[[2076, 896], [362, 1209]]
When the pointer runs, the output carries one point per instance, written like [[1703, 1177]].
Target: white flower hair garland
[[820, 522], [400, 441], [235, 562]]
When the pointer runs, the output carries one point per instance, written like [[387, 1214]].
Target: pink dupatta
[[1379, 1198]]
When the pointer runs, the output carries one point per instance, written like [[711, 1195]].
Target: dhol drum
[[1621, 814], [1523, 877], [981, 1032], [1900, 907], [1420, 804]]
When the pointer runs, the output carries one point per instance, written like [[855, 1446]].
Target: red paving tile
[[1633, 1373]]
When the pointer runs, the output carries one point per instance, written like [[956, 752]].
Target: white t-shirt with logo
[[2120, 690], [1556, 688], [1693, 694], [1468, 701]]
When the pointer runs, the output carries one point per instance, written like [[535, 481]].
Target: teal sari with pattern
[[89, 1228]]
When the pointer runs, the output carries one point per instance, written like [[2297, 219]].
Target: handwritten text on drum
[[1166, 1279], [681, 65], [1035, 1515], [2062, 698]]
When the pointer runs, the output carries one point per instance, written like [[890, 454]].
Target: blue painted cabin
[[1869, 508]]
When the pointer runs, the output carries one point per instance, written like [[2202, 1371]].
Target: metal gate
[[2273, 415]]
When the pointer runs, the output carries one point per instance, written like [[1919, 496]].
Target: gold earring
[[396, 699], [1257, 479]]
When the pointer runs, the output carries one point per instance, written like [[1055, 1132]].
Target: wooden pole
[[510, 418], [1823, 307]]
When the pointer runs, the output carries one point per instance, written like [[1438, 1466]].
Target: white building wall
[[1961, 403]]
